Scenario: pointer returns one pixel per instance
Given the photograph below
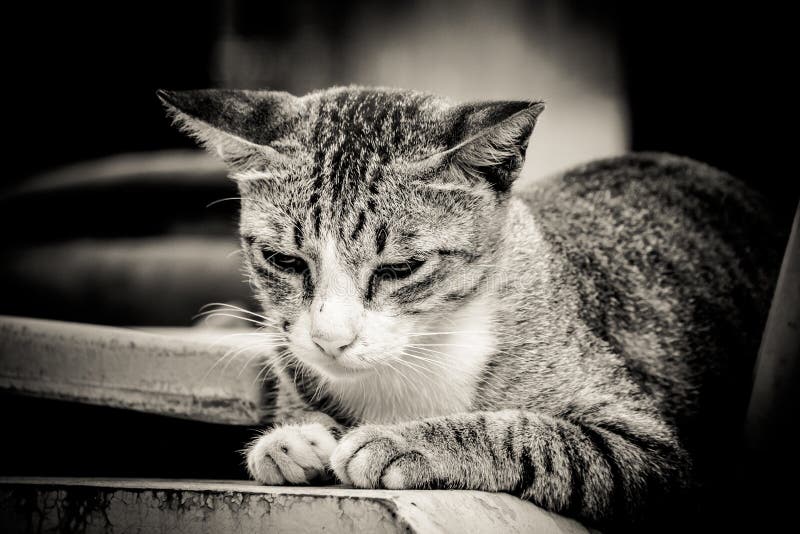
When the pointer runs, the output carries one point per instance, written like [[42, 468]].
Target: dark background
[[702, 80]]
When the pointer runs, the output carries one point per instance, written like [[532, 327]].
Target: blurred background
[[98, 176], [108, 214]]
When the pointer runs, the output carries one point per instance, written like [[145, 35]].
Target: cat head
[[368, 216]]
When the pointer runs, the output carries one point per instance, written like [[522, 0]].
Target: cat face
[[369, 217]]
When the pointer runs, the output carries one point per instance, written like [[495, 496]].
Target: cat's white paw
[[291, 454], [379, 457]]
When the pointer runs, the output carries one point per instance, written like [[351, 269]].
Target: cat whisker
[[466, 332], [430, 353], [267, 336], [429, 345], [411, 364], [262, 345], [317, 390], [410, 351], [219, 360], [420, 334], [433, 395], [271, 363], [266, 357], [258, 332], [235, 353], [233, 307], [264, 372], [215, 202], [209, 315], [404, 379], [249, 362], [460, 345]]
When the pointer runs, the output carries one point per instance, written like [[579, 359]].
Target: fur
[[579, 343]]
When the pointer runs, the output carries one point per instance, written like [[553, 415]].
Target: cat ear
[[236, 125], [490, 140]]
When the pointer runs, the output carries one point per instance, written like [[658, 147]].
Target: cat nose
[[333, 345]]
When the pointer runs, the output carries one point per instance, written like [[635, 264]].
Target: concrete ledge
[[173, 373], [109, 506]]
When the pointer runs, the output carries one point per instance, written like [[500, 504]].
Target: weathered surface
[[110, 506], [176, 373]]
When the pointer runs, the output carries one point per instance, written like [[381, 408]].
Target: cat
[[576, 342]]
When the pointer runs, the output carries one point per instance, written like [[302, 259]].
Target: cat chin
[[336, 371], [332, 370]]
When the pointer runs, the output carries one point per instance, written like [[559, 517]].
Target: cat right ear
[[240, 127], [489, 140]]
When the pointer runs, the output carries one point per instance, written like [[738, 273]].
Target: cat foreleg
[[298, 448], [594, 472]]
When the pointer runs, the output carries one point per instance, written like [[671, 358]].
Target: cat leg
[[297, 450], [597, 472], [294, 453]]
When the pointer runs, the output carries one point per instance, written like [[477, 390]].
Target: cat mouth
[[334, 368], [337, 370]]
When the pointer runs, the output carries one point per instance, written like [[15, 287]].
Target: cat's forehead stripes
[[359, 175], [298, 236], [362, 217], [380, 238], [354, 134]]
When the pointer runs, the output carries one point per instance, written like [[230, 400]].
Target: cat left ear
[[491, 140], [236, 125]]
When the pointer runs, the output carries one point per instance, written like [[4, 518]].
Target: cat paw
[[291, 454], [379, 457]]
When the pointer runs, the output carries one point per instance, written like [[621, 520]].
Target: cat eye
[[284, 262], [397, 271]]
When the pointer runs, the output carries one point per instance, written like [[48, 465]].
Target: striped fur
[[579, 343]]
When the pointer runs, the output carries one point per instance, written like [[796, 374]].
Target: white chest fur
[[439, 380]]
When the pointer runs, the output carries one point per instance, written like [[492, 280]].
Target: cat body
[[578, 342]]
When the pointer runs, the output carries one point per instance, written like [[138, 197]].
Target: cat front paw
[[291, 454], [379, 457]]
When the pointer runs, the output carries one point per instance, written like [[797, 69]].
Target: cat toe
[[263, 469], [363, 454], [294, 454], [410, 470]]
